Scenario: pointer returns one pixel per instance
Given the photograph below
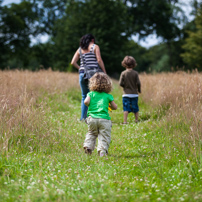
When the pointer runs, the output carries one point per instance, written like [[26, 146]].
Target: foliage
[[18, 25], [139, 53], [41, 56], [106, 21], [112, 22], [161, 16], [193, 46], [164, 57], [49, 11]]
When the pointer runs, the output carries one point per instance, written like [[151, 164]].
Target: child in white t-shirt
[[130, 82]]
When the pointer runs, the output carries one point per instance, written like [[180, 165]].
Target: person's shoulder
[[106, 94], [78, 50], [124, 71], [134, 71], [95, 45], [90, 93], [110, 96]]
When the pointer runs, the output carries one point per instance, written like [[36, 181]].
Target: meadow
[[41, 138]]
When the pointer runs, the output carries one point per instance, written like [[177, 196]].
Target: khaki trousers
[[100, 128]]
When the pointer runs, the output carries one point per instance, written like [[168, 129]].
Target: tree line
[[112, 22]]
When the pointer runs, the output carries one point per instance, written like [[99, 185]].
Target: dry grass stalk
[[182, 93], [18, 93]]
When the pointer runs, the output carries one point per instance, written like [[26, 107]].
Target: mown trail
[[147, 161]]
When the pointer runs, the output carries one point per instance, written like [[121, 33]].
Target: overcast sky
[[151, 40]]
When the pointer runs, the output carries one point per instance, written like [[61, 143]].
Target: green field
[[43, 159]]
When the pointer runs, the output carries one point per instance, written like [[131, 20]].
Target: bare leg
[[136, 117], [125, 116]]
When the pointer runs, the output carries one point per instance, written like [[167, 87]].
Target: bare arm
[[99, 59], [113, 105], [75, 59], [87, 101]]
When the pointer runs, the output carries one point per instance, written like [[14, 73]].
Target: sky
[[148, 42]]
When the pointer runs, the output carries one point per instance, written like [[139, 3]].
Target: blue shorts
[[130, 104]]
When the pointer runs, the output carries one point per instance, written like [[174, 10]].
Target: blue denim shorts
[[130, 104]]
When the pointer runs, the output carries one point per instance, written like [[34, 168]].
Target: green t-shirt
[[99, 102]]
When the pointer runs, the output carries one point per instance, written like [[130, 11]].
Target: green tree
[[49, 11], [193, 45], [112, 23], [106, 20], [139, 53], [157, 16], [18, 24]]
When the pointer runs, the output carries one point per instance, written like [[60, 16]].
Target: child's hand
[[110, 108], [113, 105]]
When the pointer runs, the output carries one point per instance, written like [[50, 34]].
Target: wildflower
[[60, 191], [90, 196], [46, 182]]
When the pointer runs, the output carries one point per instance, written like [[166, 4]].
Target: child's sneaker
[[87, 151], [101, 154]]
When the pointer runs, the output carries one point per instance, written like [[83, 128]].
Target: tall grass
[[42, 159], [176, 94], [22, 116], [181, 94]]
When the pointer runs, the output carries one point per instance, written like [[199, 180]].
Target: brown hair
[[100, 82], [129, 62]]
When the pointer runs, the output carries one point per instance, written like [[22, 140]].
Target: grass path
[[144, 161]]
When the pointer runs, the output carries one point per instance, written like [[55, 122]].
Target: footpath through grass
[[145, 162]]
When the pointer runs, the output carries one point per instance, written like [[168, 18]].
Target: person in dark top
[[130, 82]]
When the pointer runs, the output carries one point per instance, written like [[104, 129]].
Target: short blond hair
[[100, 82], [129, 62]]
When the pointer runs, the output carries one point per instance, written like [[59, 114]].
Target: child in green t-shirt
[[99, 122]]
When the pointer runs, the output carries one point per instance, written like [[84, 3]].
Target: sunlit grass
[[42, 158]]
